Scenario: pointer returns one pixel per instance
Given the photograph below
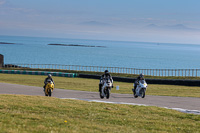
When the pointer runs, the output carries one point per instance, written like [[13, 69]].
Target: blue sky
[[175, 21]]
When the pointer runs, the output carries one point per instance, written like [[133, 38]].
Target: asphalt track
[[183, 104]]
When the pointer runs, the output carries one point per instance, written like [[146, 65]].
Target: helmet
[[49, 75], [141, 75], [106, 72]]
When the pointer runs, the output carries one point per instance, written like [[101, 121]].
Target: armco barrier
[[149, 81], [60, 74]]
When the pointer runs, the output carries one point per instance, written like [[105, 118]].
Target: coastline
[[77, 45]]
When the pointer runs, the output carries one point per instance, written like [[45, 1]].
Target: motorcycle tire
[[107, 93], [46, 93], [49, 92], [102, 97], [143, 94]]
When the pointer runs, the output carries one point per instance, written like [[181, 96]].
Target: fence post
[[192, 72], [156, 71], [189, 72], [165, 72], [196, 72], [182, 73], [175, 72], [178, 72], [185, 72]]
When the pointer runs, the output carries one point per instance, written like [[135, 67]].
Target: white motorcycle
[[106, 88], [140, 89]]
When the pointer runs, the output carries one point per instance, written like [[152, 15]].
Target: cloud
[[7, 8], [2, 2], [179, 27], [95, 23]]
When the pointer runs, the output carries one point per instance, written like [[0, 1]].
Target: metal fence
[[150, 72]]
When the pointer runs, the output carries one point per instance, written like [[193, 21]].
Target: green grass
[[25, 114], [92, 85]]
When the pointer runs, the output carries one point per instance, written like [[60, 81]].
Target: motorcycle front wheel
[[45, 92], [101, 95], [50, 92], [143, 93], [107, 93]]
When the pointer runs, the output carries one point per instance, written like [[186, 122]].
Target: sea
[[107, 53]]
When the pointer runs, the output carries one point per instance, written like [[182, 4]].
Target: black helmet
[[106, 72], [141, 75]]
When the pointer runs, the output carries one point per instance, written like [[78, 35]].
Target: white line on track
[[197, 112]]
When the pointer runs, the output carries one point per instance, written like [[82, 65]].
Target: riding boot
[[134, 89], [100, 86], [44, 87]]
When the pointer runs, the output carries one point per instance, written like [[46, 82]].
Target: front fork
[[102, 91]]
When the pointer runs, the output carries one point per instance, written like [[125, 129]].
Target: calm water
[[35, 50]]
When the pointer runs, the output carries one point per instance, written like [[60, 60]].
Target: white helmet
[[141, 75], [49, 75]]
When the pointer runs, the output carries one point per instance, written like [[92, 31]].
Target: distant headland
[[77, 45], [6, 43]]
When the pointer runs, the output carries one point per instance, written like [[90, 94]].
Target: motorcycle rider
[[106, 75], [140, 77], [48, 78]]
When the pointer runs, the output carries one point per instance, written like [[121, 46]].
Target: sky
[[162, 21]]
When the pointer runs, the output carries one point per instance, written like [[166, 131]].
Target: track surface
[[186, 103]]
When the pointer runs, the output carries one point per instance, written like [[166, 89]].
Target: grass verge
[[92, 85], [44, 114]]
